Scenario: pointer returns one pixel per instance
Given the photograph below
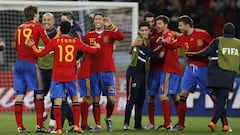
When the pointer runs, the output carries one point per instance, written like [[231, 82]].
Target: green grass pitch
[[194, 125]]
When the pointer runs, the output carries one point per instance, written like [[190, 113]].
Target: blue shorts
[[153, 83], [84, 86], [61, 89], [27, 76], [193, 76], [104, 83], [170, 83]]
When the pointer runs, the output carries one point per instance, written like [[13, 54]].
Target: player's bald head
[[48, 21], [48, 14]]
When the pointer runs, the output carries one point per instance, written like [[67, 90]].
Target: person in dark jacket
[[224, 63], [136, 75]]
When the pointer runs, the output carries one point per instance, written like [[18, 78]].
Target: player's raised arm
[[118, 35]]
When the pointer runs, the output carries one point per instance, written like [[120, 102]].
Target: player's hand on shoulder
[[30, 42], [137, 42]]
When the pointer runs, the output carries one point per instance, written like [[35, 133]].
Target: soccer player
[[136, 76], [102, 69], [171, 72], [45, 63], [65, 50], [149, 18], [223, 65], [83, 77], [196, 72], [153, 76], [75, 31], [26, 71]]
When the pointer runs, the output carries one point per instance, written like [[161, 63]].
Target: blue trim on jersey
[[61, 89], [26, 76], [170, 83], [104, 83], [153, 83], [193, 76]]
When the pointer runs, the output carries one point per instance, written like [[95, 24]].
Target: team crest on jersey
[[106, 39], [111, 89], [199, 42]]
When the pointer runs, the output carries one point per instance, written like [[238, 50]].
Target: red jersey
[[102, 60], [65, 50], [26, 31], [84, 69], [156, 64], [195, 42], [170, 59]]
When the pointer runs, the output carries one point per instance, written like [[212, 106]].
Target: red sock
[[39, 106], [166, 110], [182, 108], [151, 111], [18, 114], [84, 112], [97, 113], [76, 113], [57, 112], [110, 107], [176, 107]]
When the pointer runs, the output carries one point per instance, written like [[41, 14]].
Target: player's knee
[[183, 98], [151, 99]]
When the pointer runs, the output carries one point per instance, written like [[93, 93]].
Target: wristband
[[112, 27]]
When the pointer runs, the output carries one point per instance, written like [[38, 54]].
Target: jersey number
[[27, 32], [68, 49], [92, 41]]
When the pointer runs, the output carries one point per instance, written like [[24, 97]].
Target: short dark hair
[[65, 27], [69, 15], [149, 14], [164, 18], [98, 13], [229, 28], [29, 12], [186, 20], [142, 24]]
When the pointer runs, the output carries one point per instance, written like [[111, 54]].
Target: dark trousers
[[136, 88], [222, 97]]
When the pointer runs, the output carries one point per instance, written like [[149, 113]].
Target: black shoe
[[41, 130], [139, 128], [86, 127], [162, 127], [70, 129], [22, 130]]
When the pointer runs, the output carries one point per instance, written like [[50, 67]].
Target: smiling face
[[184, 28], [160, 26], [48, 21], [98, 22], [144, 31]]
